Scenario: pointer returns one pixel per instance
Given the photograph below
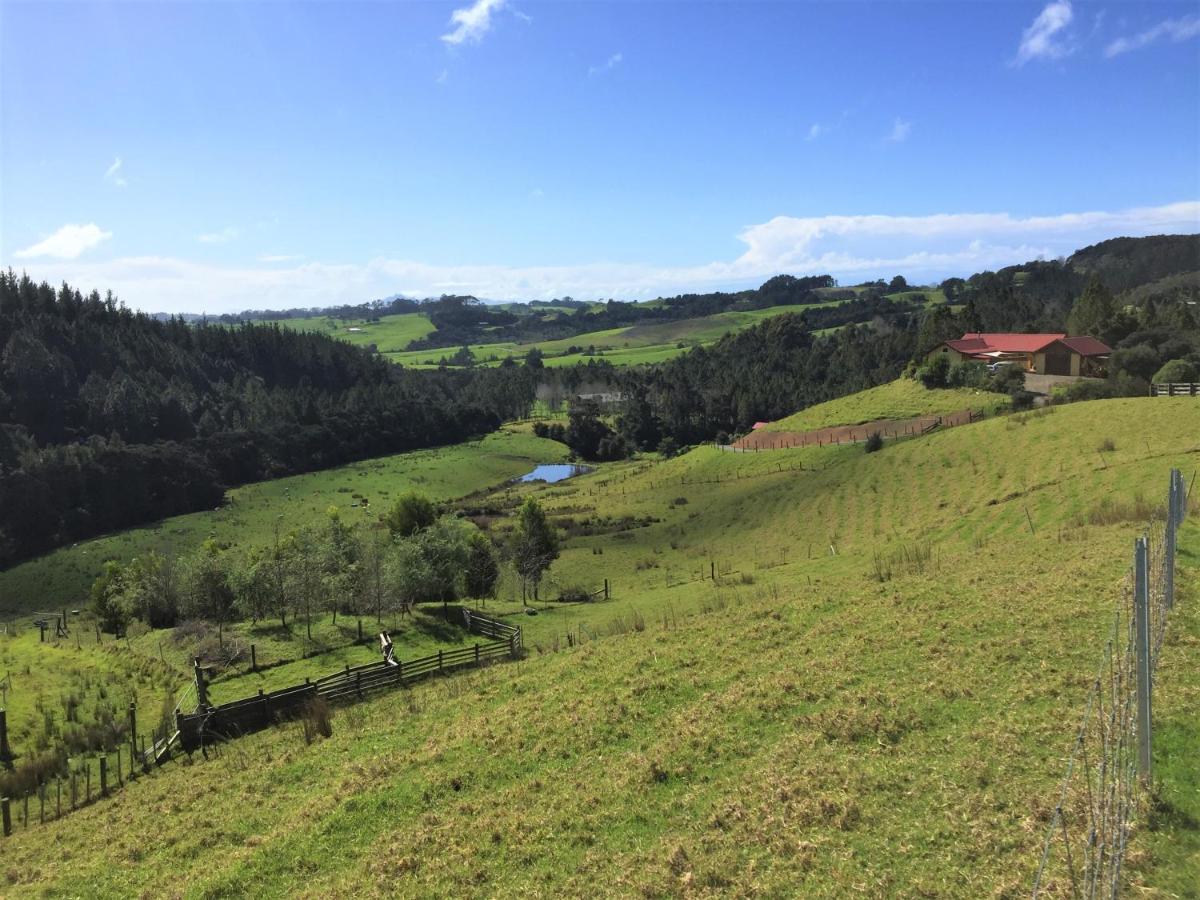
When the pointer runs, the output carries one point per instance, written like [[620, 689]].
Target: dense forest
[[110, 418]]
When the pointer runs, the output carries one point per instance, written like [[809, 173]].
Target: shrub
[[1007, 380], [411, 513], [574, 594], [967, 374], [1023, 399], [722, 437], [874, 442], [934, 373], [1107, 446], [1176, 371], [316, 719]]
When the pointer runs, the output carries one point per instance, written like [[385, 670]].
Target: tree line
[[110, 418], [413, 553]]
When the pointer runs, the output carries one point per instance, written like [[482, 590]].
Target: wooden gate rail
[[229, 720]]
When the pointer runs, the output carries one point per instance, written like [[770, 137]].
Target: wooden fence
[[208, 724], [1177, 389], [353, 683]]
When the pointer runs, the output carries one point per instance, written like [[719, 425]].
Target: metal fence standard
[[1111, 759]]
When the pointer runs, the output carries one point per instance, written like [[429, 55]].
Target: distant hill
[[1126, 263]]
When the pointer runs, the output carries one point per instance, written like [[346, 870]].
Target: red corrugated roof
[[1087, 346], [1011, 343]]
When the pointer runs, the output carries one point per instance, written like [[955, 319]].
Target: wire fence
[[1109, 766]]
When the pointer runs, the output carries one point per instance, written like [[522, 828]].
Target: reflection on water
[[553, 473]]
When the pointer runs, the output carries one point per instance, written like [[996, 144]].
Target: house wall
[[1076, 363], [953, 355], [1039, 363]]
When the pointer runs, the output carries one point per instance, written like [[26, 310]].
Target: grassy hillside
[[903, 398], [874, 697], [647, 342], [387, 333], [252, 513]]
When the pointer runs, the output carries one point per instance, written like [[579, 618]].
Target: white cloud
[[1175, 30], [849, 247], [607, 66], [443, 76], [66, 243], [1044, 38], [816, 130], [472, 22], [279, 258], [113, 174], [224, 236], [901, 129]]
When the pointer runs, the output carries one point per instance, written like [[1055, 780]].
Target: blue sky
[[220, 156]]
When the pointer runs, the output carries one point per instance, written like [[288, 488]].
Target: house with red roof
[[1042, 354]]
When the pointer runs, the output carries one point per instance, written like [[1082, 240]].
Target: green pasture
[[904, 398], [388, 333], [875, 695], [253, 513], [628, 345]]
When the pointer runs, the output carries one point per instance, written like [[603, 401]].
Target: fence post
[[132, 738], [1141, 605], [6, 815], [1169, 540], [5, 750], [104, 776], [201, 687], [253, 658]]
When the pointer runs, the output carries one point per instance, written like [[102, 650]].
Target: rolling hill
[[874, 695]]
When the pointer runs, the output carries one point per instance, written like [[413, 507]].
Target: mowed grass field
[[251, 514], [903, 398], [875, 697], [388, 333]]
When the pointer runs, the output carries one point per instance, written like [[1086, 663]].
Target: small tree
[[874, 442], [108, 598], [372, 583], [406, 575], [411, 513], [206, 587], [535, 546], [483, 569]]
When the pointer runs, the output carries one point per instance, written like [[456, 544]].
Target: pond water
[[553, 473]]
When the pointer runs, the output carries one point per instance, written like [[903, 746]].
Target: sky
[[222, 156]]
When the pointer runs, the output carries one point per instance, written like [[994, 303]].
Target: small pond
[[553, 473]]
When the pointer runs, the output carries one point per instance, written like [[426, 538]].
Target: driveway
[[1042, 384]]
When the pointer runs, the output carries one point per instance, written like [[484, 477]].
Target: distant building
[[1042, 354]]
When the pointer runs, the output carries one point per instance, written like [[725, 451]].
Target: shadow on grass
[[432, 625]]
